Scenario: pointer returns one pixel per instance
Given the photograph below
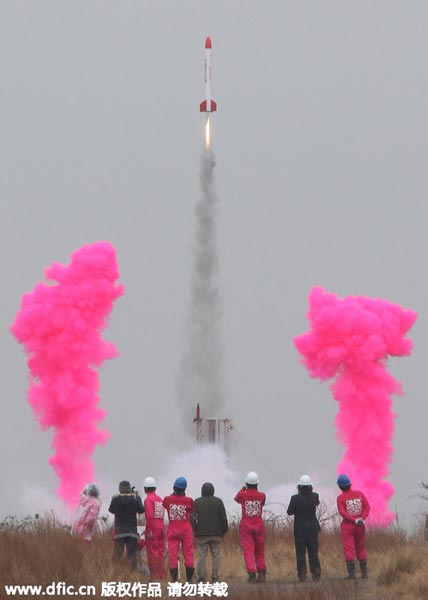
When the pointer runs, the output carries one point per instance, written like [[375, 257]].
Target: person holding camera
[[306, 528], [125, 506], [354, 509], [89, 508], [251, 528]]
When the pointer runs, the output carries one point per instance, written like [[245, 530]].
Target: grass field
[[42, 551]]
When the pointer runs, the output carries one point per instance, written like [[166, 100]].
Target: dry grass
[[41, 551]]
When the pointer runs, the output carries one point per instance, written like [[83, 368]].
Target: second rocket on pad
[[208, 105]]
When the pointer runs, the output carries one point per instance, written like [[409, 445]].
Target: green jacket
[[209, 515]]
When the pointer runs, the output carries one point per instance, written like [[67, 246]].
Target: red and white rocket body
[[208, 105]]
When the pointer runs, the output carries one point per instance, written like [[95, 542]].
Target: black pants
[[130, 543], [307, 541]]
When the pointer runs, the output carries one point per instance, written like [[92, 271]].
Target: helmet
[[180, 483], [343, 480], [149, 482], [252, 478], [305, 480]]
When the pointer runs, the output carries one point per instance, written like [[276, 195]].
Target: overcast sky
[[321, 147]]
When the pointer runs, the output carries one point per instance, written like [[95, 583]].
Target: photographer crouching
[[125, 506]]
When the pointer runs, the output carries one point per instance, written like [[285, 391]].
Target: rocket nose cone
[[208, 43]]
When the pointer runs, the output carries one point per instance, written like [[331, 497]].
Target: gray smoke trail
[[201, 369]]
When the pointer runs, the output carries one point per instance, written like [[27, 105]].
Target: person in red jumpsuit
[[354, 509], [251, 528], [155, 530], [179, 508]]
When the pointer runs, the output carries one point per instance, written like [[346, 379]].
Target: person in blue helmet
[[354, 509], [179, 507]]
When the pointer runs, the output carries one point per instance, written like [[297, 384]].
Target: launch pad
[[213, 431]]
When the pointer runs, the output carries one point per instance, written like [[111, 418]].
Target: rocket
[[198, 421], [208, 105]]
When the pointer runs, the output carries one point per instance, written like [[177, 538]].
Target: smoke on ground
[[35, 499], [350, 340], [209, 463], [201, 377], [60, 328], [198, 464]]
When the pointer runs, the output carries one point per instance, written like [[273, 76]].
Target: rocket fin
[[203, 106]]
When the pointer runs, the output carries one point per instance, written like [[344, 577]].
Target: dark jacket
[[209, 515], [303, 506], [125, 508]]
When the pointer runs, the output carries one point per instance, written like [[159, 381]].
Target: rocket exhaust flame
[[350, 340], [59, 326]]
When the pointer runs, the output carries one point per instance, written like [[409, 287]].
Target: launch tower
[[213, 431]]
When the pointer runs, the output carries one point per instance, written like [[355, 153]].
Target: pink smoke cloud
[[350, 340], [59, 327]]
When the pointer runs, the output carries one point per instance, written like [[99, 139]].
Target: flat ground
[[42, 551]]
